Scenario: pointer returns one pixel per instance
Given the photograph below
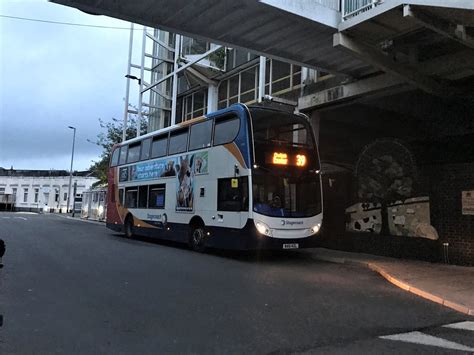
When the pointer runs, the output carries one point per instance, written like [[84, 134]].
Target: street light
[[70, 172], [134, 78], [128, 76]]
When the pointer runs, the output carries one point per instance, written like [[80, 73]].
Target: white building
[[40, 190]]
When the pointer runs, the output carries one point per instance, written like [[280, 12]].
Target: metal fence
[[351, 8]]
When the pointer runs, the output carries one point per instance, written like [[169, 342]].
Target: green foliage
[[111, 134], [218, 58]]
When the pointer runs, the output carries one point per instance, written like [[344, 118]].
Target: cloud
[[54, 76]]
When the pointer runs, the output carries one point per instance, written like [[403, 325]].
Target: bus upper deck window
[[178, 141], [145, 153], [200, 136], [133, 153], [158, 147], [123, 154], [115, 157], [226, 129]]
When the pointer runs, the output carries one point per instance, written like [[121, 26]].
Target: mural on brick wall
[[387, 199]]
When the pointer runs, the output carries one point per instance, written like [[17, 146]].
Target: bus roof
[[232, 108], [182, 124]]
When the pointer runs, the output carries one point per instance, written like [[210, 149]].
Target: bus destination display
[[281, 158]]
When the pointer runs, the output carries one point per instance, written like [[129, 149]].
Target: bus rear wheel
[[197, 239], [128, 227]]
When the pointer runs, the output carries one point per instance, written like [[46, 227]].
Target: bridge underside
[[248, 24], [426, 44]]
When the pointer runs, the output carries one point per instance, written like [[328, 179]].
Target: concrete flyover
[[407, 39], [301, 33]]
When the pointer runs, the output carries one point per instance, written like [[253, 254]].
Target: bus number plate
[[291, 246]]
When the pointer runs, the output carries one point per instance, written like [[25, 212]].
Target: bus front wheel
[[197, 238], [128, 227]]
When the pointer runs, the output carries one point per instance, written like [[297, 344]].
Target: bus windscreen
[[285, 180]]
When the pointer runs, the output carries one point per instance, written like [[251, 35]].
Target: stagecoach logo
[[152, 217], [290, 223]]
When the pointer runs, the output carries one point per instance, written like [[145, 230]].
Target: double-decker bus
[[239, 178]]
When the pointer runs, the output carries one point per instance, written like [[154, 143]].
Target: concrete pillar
[[174, 95], [261, 78], [308, 76], [212, 98], [315, 119]]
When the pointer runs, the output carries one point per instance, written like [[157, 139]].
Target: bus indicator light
[[300, 160], [280, 158]]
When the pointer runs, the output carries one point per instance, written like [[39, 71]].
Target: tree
[[386, 172], [112, 135]]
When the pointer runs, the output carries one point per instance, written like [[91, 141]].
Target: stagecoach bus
[[239, 178]]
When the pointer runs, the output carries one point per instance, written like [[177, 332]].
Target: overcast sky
[[54, 76]]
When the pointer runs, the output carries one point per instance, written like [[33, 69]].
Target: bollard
[[2, 251], [446, 253]]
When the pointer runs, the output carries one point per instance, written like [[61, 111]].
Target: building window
[[65, 196], [192, 105], [36, 195], [280, 78], [14, 190], [241, 87], [2, 190], [25, 195], [56, 196], [192, 46], [236, 57]]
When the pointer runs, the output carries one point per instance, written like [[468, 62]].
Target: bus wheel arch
[[128, 226], [197, 234]]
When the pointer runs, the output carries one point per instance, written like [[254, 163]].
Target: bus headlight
[[263, 228], [315, 229]]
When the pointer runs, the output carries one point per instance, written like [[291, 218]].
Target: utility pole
[[70, 171]]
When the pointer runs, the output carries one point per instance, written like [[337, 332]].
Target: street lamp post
[[140, 82], [70, 172]]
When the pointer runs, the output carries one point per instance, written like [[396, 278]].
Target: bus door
[[233, 201]]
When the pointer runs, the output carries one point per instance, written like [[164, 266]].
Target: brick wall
[[443, 183], [446, 183]]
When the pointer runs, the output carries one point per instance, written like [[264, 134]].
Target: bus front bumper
[[249, 238]]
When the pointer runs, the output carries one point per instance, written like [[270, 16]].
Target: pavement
[[449, 285]]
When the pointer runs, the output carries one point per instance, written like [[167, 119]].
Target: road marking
[[23, 218], [424, 339], [461, 325], [6, 217]]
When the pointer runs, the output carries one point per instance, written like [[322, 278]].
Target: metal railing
[[351, 8]]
